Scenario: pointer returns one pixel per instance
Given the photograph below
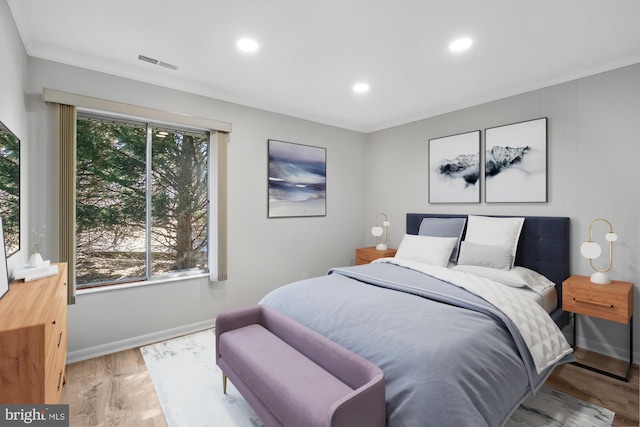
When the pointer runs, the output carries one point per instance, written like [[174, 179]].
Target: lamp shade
[[590, 250], [377, 231]]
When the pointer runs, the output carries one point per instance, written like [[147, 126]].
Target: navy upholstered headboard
[[543, 247]]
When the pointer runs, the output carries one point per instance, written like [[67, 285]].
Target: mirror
[[10, 189]]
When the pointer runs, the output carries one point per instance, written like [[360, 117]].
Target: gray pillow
[[485, 256], [444, 227]]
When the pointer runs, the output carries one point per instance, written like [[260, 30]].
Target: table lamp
[[591, 250], [377, 231]]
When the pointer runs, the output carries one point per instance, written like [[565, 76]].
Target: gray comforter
[[448, 356]]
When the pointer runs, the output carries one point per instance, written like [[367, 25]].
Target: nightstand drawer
[[366, 255], [610, 302]]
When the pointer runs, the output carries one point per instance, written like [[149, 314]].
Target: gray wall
[[594, 151], [263, 253]]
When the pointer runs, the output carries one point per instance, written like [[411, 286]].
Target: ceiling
[[312, 52]]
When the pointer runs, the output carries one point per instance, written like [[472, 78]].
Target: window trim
[[132, 111], [219, 138], [165, 280]]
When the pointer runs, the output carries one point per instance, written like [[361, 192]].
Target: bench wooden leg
[[224, 383]]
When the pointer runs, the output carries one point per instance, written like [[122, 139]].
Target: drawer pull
[[53, 323], [60, 381], [59, 339], [593, 302]]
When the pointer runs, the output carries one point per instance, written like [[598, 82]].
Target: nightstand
[[366, 255], [612, 302]]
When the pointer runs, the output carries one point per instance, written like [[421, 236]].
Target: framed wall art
[[454, 168], [297, 180], [516, 162]]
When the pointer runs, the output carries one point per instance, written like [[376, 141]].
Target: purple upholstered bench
[[292, 376]]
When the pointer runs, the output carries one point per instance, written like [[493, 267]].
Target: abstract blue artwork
[[297, 180]]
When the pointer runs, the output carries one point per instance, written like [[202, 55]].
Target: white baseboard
[[138, 341]]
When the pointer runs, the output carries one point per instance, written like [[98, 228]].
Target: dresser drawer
[[610, 302], [56, 350], [58, 333], [56, 320], [55, 371]]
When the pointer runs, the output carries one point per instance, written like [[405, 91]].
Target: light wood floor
[[116, 390], [112, 390], [618, 396]]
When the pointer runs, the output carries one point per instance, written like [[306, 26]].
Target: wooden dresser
[[33, 340]]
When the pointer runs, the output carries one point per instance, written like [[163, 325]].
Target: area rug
[[189, 386], [552, 408]]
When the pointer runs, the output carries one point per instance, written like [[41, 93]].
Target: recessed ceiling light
[[361, 87], [460, 44], [247, 45]]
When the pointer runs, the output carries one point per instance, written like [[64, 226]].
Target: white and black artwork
[[454, 168], [516, 162]]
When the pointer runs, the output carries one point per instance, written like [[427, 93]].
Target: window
[[142, 201]]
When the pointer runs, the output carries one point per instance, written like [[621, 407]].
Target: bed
[[457, 347]]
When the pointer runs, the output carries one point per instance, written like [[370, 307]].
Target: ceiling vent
[[156, 62], [167, 65]]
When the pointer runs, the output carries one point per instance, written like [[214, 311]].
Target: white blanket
[[543, 338]]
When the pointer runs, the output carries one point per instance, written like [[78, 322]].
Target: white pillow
[[517, 277], [492, 231], [426, 249], [485, 255]]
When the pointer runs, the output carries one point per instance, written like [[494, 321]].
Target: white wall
[[594, 154], [263, 253], [13, 71]]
